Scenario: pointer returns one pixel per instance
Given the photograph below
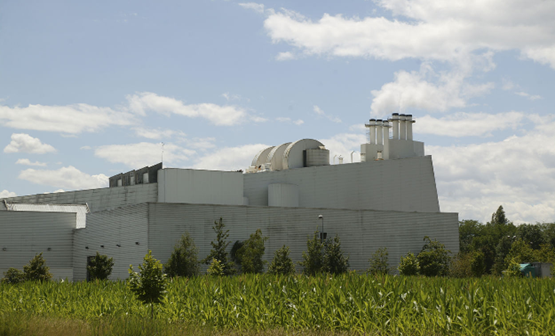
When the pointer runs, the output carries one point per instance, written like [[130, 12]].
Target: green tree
[[468, 230], [100, 267], [13, 276], [183, 261], [334, 262], [513, 270], [434, 258], [219, 248], [149, 284], [498, 217], [520, 252], [251, 253], [313, 258], [215, 268], [409, 265], [461, 266], [282, 263], [36, 269], [531, 234], [477, 263], [501, 251], [379, 262]]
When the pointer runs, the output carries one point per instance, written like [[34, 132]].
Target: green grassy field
[[274, 305]]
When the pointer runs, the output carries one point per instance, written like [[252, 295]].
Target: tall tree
[[100, 267], [498, 217], [434, 258], [313, 258], [334, 260], [251, 253], [219, 248], [149, 284], [36, 269], [282, 263]]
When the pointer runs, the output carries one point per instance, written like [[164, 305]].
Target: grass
[[276, 305]]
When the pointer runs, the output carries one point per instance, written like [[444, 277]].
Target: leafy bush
[[215, 268], [334, 260], [379, 262], [251, 252], [434, 258], [149, 284], [478, 264], [409, 265], [13, 276], [219, 248], [460, 265], [513, 270], [183, 261], [313, 258], [36, 269], [100, 267], [282, 263]]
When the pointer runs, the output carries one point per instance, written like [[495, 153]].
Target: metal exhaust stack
[[372, 126], [379, 132], [395, 120], [403, 127], [409, 126]]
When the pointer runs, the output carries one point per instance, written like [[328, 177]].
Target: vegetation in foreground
[[263, 302]]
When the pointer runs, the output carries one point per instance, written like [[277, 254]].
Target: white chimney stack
[[379, 132], [403, 127], [409, 126], [372, 126], [395, 120], [386, 127]]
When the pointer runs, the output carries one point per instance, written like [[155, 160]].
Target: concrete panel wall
[[200, 186], [283, 195], [124, 227], [97, 199], [25, 234], [401, 185], [362, 232]]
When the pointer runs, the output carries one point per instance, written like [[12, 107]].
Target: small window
[[145, 178], [120, 182]]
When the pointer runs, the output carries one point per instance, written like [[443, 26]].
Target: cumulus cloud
[[527, 95], [142, 154], [518, 173], [28, 162], [463, 124], [73, 119], [69, 178], [435, 30], [230, 158], [319, 112], [6, 194], [285, 56], [157, 133], [24, 143], [426, 90], [297, 122], [218, 115], [253, 5]]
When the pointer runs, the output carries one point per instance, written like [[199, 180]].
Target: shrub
[[149, 284], [282, 263], [334, 260], [513, 270], [183, 261], [379, 262], [460, 265], [13, 276], [215, 268], [313, 258], [219, 248], [36, 269], [100, 267], [478, 263], [251, 252], [409, 265], [434, 258]]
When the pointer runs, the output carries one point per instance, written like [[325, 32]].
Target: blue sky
[[91, 89]]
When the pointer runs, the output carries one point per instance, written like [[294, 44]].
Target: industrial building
[[388, 199]]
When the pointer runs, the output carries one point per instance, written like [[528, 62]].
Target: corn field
[[352, 303]]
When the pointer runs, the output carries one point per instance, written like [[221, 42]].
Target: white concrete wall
[[402, 185], [124, 227], [361, 232], [200, 186], [25, 234], [97, 199], [283, 195], [399, 149]]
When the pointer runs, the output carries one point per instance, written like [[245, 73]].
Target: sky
[[91, 89]]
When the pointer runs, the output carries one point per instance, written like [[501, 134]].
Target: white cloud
[[527, 95], [463, 124], [297, 122], [285, 56], [86, 148], [27, 162], [435, 30], [24, 143], [66, 177], [157, 134], [254, 6], [343, 145], [319, 112], [230, 158], [518, 173], [64, 119], [201, 143], [425, 90], [218, 115], [6, 194], [143, 154]]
